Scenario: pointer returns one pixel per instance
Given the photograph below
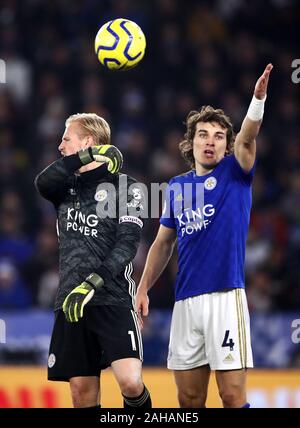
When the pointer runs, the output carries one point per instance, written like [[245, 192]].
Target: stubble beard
[[208, 166]]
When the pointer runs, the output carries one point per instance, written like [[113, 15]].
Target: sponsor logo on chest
[[82, 223]]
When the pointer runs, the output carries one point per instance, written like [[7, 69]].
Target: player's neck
[[90, 166], [204, 169]]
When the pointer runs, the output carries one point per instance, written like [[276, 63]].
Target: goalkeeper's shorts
[[104, 334]]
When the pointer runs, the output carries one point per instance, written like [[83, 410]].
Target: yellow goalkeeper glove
[[105, 153], [75, 301]]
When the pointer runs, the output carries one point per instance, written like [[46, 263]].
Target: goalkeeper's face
[[209, 144], [73, 140]]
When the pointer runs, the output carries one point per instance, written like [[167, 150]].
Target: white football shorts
[[212, 328]]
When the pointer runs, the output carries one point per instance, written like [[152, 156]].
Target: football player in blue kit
[[210, 327]]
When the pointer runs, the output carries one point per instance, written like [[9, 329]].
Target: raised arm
[[157, 259], [245, 144], [51, 180]]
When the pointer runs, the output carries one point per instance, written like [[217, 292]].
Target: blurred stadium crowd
[[198, 52]]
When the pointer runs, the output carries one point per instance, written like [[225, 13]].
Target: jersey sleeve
[[246, 177], [133, 203], [131, 213], [167, 218], [50, 183]]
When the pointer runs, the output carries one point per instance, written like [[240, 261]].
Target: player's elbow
[[42, 186], [38, 183], [245, 156], [127, 249]]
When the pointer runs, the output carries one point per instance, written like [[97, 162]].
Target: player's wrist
[[72, 163], [105, 273], [85, 156], [143, 289], [256, 109], [95, 281]]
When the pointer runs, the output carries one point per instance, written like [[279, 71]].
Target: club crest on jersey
[[101, 195], [210, 183], [137, 194], [51, 360]]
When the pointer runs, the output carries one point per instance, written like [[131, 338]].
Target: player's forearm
[[249, 131], [251, 124], [52, 177], [157, 259], [245, 142], [122, 253]]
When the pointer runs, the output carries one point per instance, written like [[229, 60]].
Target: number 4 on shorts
[[227, 341]]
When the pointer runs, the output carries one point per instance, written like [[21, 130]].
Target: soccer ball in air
[[120, 44]]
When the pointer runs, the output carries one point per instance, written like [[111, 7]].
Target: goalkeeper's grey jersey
[[99, 221]]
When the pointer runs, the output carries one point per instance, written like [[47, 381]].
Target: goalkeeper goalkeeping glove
[[105, 153], [75, 301]]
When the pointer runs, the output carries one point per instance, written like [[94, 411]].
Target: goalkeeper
[[96, 325]]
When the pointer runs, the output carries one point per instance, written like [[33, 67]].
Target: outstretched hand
[[261, 86]]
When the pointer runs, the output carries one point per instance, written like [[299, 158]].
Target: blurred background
[[198, 52]]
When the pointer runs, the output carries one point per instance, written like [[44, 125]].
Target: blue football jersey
[[211, 216]]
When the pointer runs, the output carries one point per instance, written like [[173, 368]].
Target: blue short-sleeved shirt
[[211, 216]]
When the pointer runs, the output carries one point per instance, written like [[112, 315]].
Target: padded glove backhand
[[75, 301], [105, 153]]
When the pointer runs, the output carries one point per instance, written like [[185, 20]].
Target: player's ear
[[89, 141]]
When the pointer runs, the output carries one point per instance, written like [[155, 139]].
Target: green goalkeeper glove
[[105, 153], [75, 301]]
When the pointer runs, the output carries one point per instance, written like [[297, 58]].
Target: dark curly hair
[[205, 114]]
